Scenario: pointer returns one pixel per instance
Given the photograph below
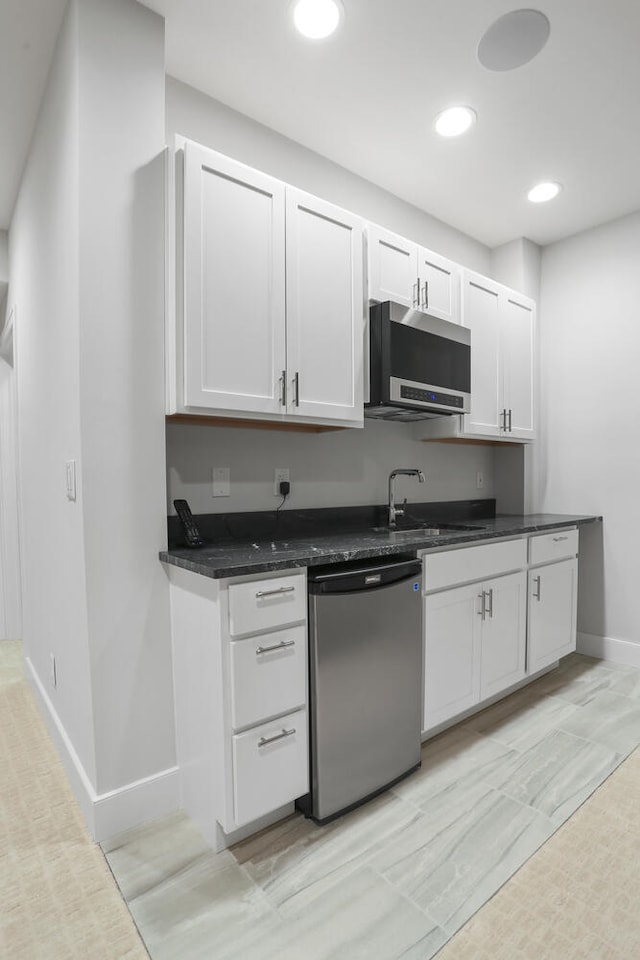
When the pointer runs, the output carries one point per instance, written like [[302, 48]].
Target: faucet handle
[[400, 510]]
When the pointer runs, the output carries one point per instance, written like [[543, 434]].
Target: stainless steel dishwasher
[[365, 635]]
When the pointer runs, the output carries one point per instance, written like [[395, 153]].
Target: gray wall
[[588, 457]]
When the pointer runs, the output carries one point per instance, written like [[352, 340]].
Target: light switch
[[70, 467]]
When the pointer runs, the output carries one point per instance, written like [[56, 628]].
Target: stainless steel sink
[[427, 531]]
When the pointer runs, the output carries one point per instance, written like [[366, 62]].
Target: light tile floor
[[395, 879]]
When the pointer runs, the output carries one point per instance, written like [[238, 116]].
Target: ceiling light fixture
[[454, 121], [544, 191], [317, 19]]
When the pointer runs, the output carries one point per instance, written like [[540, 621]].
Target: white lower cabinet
[[552, 612], [504, 633], [494, 614], [474, 644], [240, 685], [451, 654]]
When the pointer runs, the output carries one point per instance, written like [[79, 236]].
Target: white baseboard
[[109, 813], [608, 648]]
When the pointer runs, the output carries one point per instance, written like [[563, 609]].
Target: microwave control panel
[[431, 396]]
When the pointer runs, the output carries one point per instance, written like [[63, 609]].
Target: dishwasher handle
[[367, 576]]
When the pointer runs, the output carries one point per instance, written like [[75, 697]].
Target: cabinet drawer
[[553, 546], [270, 766], [473, 563], [266, 604], [268, 675]]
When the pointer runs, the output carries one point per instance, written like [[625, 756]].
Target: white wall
[[44, 287], [10, 579], [86, 258], [332, 469], [588, 457], [4, 256], [121, 273]]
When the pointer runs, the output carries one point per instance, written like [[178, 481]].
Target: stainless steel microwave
[[419, 365]]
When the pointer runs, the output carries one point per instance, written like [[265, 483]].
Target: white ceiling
[[367, 98]]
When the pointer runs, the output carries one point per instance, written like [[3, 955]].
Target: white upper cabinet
[[325, 309], [273, 304], [393, 267], [481, 313], [439, 285], [407, 273], [517, 329], [502, 325], [234, 285]]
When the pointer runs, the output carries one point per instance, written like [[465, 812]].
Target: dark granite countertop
[[357, 540]]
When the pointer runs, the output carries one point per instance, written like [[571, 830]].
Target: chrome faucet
[[399, 511]]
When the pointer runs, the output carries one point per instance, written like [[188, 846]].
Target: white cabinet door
[[439, 285], [552, 613], [504, 633], [393, 267], [481, 313], [234, 285], [325, 309], [517, 346], [452, 622]]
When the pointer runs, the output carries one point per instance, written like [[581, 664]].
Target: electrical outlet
[[479, 480], [52, 670], [281, 473], [221, 482]]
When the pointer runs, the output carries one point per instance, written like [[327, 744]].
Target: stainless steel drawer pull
[[482, 612], [273, 593], [537, 581], [263, 741], [276, 646], [559, 539]]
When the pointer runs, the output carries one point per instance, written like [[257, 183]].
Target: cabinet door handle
[[276, 646], [425, 303], [536, 594], [283, 388], [559, 539], [296, 389], [503, 417], [482, 612], [490, 592], [272, 593], [263, 741], [509, 419], [415, 293]]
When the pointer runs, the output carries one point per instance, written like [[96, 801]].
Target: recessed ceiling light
[[543, 192], [317, 19], [454, 121], [513, 39]]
